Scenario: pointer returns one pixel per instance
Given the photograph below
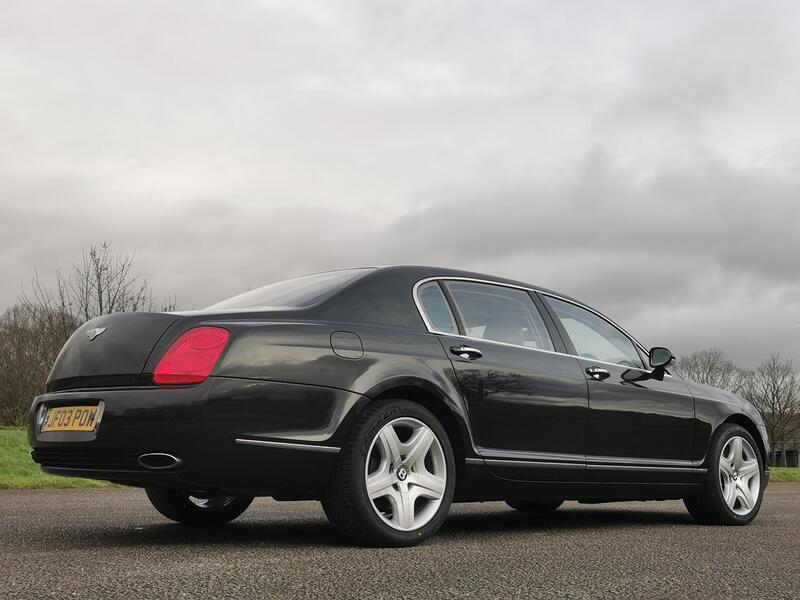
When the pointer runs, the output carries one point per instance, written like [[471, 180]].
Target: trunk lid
[[110, 350]]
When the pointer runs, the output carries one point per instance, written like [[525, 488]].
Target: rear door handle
[[597, 373], [466, 352]]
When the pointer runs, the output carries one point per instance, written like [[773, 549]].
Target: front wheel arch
[[752, 429]]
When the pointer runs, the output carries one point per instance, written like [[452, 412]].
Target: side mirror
[[660, 357]]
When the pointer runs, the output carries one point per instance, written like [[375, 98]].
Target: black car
[[388, 393]]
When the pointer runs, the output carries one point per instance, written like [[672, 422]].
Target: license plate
[[71, 418]]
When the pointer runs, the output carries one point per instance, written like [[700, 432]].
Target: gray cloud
[[642, 158]]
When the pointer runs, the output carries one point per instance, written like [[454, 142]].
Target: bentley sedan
[[387, 394]]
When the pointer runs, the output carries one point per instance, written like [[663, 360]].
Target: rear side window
[[436, 308], [594, 337], [500, 314]]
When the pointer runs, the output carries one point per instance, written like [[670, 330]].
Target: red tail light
[[192, 357]]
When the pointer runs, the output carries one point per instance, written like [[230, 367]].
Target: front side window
[[500, 314], [595, 338], [436, 309]]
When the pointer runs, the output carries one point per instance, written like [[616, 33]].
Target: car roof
[[423, 272], [419, 272]]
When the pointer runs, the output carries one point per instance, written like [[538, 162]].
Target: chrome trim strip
[[597, 467], [533, 464], [473, 461], [432, 329], [524, 455], [653, 468], [289, 445], [483, 341], [649, 462], [606, 463]]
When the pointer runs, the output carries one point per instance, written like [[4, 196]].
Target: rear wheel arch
[[435, 403], [750, 426]]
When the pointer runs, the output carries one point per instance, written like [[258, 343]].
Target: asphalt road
[[111, 543]]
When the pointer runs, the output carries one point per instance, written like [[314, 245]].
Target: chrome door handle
[[466, 352], [597, 373]]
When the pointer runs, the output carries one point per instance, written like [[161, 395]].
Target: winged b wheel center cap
[[402, 473]]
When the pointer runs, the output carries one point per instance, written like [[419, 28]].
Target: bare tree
[[774, 389], [102, 283], [710, 367], [28, 347], [34, 330]]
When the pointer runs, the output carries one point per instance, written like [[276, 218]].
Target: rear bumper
[[232, 435]]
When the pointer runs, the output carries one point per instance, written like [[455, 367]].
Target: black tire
[[709, 506], [346, 502], [534, 506], [178, 506]]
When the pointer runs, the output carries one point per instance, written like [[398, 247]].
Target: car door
[[527, 403], [641, 423]]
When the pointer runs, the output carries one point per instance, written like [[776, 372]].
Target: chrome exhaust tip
[[160, 461]]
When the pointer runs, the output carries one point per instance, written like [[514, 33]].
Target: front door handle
[[597, 373], [466, 352]]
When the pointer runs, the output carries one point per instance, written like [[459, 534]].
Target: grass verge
[[19, 472], [784, 474]]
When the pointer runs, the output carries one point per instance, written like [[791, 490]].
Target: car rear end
[[248, 396], [193, 401], [124, 399]]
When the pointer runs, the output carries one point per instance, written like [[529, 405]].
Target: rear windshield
[[294, 293]]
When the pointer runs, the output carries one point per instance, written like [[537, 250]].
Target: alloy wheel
[[739, 475], [406, 474]]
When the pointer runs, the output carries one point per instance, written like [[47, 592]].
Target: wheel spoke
[[380, 484], [418, 445], [403, 509], [729, 494], [748, 468], [428, 485], [746, 498], [736, 451], [391, 443], [725, 466]]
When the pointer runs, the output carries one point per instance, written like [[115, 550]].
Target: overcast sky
[[642, 156]]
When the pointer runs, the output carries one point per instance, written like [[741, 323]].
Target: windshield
[[294, 293]]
